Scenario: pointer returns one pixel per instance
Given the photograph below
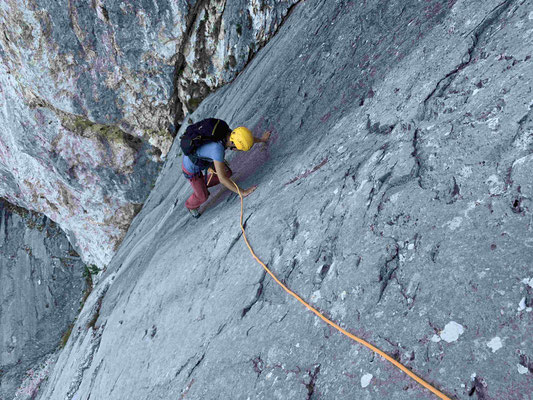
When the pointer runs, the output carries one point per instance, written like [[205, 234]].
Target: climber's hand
[[266, 136]]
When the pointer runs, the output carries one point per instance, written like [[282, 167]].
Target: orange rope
[[212, 172], [333, 324]]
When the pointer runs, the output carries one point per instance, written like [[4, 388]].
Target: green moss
[[110, 133], [161, 133], [193, 103], [80, 124], [66, 335], [90, 270]]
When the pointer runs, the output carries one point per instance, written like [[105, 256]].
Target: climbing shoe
[[194, 213]]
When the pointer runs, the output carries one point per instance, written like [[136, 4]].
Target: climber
[[203, 145]]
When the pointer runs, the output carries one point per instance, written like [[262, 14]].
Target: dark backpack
[[200, 133]]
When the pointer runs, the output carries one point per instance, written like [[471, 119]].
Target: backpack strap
[[215, 128]]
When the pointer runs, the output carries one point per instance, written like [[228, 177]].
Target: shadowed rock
[[41, 285]]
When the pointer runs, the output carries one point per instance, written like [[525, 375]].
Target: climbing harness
[[333, 324]]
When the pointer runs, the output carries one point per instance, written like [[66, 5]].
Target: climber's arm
[[220, 169]]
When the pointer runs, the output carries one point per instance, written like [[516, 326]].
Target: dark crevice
[[325, 258], [525, 361], [312, 382], [234, 242], [521, 125], [517, 206], [258, 365], [258, 294], [287, 15], [476, 33], [479, 388], [95, 374], [323, 271], [387, 270], [434, 253], [221, 328], [97, 338], [180, 369], [236, 239], [191, 19], [292, 267], [105, 13], [396, 354], [96, 312], [246, 220], [195, 366], [295, 226], [455, 192], [176, 104], [370, 198], [260, 45], [282, 318], [378, 129], [418, 165]]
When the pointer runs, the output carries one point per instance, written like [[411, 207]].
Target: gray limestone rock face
[[222, 37], [89, 89], [89, 178], [394, 196], [41, 285]]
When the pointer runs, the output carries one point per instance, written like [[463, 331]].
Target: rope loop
[[333, 324]]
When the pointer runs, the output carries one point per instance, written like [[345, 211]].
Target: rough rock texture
[[220, 40], [88, 178], [41, 286], [395, 196], [87, 93]]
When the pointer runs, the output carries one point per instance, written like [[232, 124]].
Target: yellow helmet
[[242, 138]]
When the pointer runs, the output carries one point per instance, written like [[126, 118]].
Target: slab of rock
[[388, 197]]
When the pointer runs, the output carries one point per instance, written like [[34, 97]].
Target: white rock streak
[[521, 369], [522, 304], [451, 332], [365, 380], [528, 281], [495, 344]]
